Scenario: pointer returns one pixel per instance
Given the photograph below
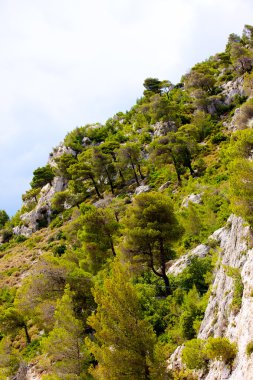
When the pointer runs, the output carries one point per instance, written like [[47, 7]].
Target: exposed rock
[[40, 215], [194, 198], [161, 128], [177, 266], [142, 189], [23, 230], [214, 103], [58, 151], [104, 202], [32, 374], [232, 125], [164, 186], [232, 88], [220, 319], [86, 141], [22, 372], [175, 360]]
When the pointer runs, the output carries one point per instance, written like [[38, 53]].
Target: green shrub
[[249, 348], [194, 355], [32, 349], [238, 288], [197, 352], [220, 349]]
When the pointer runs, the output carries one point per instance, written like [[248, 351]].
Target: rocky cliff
[[222, 317], [228, 314]]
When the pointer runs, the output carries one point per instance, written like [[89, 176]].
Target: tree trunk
[[95, 186], [28, 339], [177, 169], [135, 175], [163, 268], [139, 169], [191, 170], [122, 177], [110, 181], [112, 247]]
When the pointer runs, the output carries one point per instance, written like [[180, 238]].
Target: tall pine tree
[[63, 346], [124, 342]]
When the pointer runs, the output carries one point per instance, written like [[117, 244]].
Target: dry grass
[[16, 261]]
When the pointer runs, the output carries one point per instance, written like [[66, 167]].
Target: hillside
[[131, 256]]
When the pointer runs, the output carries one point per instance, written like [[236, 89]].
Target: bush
[[6, 235], [246, 114], [238, 288], [197, 352], [220, 349], [194, 355], [3, 218], [249, 348]]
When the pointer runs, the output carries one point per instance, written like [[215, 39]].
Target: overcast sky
[[68, 63]]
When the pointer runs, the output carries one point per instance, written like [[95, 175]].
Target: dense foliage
[[89, 295]]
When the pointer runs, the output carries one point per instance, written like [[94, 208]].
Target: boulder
[[161, 128], [194, 198], [142, 189]]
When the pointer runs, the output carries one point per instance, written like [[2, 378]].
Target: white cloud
[[65, 64]]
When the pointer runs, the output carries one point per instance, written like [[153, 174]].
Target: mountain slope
[[146, 197]]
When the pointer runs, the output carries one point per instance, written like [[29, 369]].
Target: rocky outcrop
[[194, 198], [161, 128], [40, 216], [220, 317], [234, 243], [58, 152], [177, 266], [142, 189], [231, 89]]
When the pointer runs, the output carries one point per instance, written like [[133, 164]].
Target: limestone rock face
[[220, 319], [232, 126], [234, 245], [58, 152], [177, 266], [161, 128], [232, 88], [40, 215]]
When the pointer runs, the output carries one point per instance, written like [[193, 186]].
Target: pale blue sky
[[68, 63]]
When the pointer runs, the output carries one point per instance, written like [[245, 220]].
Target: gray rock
[[142, 189], [233, 126], [161, 128], [177, 266], [58, 151], [41, 214], [86, 141], [194, 198], [22, 230], [220, 319], [232, 88], [104, 202], [164, 186]]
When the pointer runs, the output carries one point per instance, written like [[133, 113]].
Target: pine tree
[[150, 228], [63, 346], [98, 235], [124, 342]]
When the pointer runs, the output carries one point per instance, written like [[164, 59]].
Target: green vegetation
[[238, 288], [88, 295], [249, 348], [197, 352]]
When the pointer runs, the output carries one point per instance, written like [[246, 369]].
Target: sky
[[67, 63]]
